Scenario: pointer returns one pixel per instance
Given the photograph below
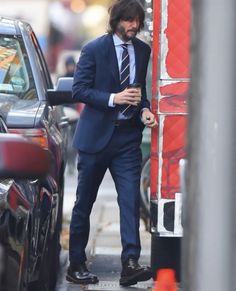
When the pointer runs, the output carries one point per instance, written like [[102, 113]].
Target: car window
[[41, 62], [15, 72]]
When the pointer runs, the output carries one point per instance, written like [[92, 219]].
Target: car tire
[[25, 265], [55, 249], [49, 264], [166, 253]]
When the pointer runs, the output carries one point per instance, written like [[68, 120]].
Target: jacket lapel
[[113, 60], [114, 63]]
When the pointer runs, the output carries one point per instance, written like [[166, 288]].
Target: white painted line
[[114, 286], [114, 251]]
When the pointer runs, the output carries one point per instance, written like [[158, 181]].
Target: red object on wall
[[178, 35], [171, 71]]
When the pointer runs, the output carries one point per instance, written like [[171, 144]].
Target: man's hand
[[130, 96], [148, 118]]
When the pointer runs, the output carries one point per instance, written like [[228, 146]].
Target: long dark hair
[[125, 10]]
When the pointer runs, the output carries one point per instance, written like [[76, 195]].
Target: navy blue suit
[[101, 145]]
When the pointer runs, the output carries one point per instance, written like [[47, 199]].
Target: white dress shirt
[[119, 50]]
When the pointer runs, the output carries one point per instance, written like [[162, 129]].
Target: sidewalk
[[104, 250]]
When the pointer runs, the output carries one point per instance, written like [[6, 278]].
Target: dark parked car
[[30, 209], [17, 164]]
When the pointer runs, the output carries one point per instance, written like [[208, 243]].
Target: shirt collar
[[118, 41]]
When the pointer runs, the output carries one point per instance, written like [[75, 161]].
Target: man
[[108, 136]]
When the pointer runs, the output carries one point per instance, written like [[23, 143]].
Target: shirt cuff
[[144, 109], [111, 100]]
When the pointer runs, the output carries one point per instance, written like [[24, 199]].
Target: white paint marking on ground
[[114, 251], [113, 286]]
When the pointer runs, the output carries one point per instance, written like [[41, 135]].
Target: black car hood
[[18, 113]]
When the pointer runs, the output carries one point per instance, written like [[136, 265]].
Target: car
[[31, 209], [17, 164]]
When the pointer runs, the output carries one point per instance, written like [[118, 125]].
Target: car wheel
[[25, 266], [44, 276], [47, 258], [55, 248], [165, 253], [49, 270]]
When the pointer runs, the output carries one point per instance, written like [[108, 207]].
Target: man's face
[[127, 29]]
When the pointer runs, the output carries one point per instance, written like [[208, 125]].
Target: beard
[[124, 34]]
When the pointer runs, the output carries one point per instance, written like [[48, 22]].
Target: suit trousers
[[122, 156]]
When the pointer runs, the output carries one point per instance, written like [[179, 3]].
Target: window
[[15, 72]]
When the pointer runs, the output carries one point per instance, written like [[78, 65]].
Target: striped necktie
[[125, 111], [125, 67]]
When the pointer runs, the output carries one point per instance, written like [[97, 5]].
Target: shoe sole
[[139, 277], [82, 281]]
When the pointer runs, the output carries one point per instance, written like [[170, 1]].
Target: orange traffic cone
[[166, 280]]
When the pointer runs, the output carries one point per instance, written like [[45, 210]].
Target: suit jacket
[[96, 77]]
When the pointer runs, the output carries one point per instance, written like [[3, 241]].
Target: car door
[[58, 125]]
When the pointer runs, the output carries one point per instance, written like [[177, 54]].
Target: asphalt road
[[104, 245]]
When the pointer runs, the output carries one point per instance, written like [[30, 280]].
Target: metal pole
[[209, 247]]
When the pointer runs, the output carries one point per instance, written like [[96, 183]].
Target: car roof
[[11, 26]]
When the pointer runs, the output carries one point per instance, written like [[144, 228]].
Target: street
[[104, 246]]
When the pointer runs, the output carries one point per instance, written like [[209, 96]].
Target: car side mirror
[[62, 94], [21, 158]]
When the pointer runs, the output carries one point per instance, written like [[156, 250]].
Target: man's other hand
[[148, 118]]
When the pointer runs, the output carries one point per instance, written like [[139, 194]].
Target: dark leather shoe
[[132, 273], [80, 275]]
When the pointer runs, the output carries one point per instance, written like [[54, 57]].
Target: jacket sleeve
[[145, 102], [83, 86]]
